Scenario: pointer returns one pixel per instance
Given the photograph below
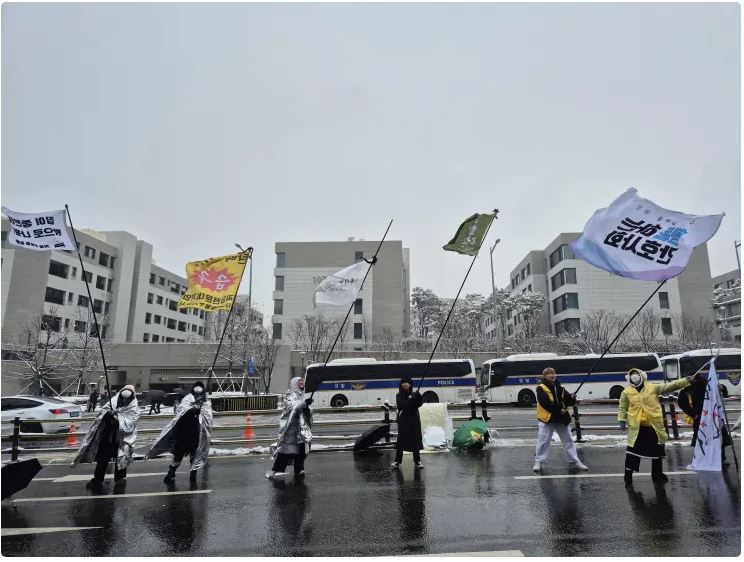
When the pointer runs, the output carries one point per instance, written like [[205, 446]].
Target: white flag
[[636, 238], [39, 231], [707, 454], [341, 287]]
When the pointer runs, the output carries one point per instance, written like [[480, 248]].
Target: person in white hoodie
[[295, 431]]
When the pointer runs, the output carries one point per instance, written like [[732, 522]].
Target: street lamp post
[[737, 245], [493, 290]]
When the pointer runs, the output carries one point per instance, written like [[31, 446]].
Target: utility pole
[[737, 245], [493, 292]]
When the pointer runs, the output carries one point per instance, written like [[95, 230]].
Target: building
[[135, 300], [383, 304], [574, 290], [727, 297]]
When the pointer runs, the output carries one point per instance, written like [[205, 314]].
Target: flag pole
[[90, 304], [248, 251], [371, 262], [426, 369], [726, 425], [619, 334]]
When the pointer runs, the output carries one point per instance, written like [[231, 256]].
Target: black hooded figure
[[409, 423], [187, 432]]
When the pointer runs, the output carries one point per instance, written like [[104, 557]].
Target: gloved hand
[[416, 393], [309, 401], [622, 425]]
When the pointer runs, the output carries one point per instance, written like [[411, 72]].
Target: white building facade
[[729, 311]]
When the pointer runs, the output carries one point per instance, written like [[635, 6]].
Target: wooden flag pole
[[426, 369], [371, 262], [90, 304]]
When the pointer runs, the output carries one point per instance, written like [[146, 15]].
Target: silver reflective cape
[[295, 423], [128, 416], [166, 441]]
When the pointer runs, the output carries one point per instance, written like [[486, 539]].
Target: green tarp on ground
[[472, 434]]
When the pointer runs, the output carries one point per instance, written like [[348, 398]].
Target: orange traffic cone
[[72, 440], [248, 432]]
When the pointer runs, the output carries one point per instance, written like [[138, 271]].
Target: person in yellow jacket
[[640, 413]]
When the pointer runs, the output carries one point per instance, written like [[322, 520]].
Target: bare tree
[[693, 333], [385, 345], [84, 356], [311, 334], [265, 349], [645, 330]]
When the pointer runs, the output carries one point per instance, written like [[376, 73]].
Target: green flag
[[470, 235]]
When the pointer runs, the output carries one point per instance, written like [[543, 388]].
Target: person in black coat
[[409, 423], [691, 400], [92, 401]]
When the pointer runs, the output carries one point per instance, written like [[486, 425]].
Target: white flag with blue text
[[636, 238], [341, 287], [39, 231], [707, 453]]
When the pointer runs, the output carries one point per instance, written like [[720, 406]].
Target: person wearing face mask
[[552, 416], [640, 414], [188, 433], [295, 431], [111, 436], [408, 403]]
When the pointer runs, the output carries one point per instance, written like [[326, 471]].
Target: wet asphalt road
[[356, 505]]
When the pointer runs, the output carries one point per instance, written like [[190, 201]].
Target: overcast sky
[[198, 126]]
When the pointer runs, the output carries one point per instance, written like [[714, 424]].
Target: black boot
[[628, 476], [192, 475], [171, 474], [657, 475]]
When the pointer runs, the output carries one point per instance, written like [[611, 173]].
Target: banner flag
[[470, 235], [636, 238], [707, 453], [213, 283], [39, 231], [341, 287]]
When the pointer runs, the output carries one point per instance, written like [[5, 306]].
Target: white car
[[39, 414]]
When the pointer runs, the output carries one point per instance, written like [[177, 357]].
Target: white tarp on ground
[[436, 426]]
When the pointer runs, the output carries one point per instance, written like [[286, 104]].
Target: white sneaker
[[395, 465], [271, 475], [580, 465], [537, 467]]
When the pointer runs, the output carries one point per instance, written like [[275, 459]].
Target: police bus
[[366, 381], [513, 379], [728, 367]]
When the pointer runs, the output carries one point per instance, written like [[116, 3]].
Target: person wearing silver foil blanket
[[188, 433], [295, 431], [111, 436]]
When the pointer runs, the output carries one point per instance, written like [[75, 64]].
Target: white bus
[[514, 378], [365, 381], [728, 367]]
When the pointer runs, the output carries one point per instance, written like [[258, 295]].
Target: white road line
[[560, 476], [112, 496], [495, 553], [12, 532], [84, 477]]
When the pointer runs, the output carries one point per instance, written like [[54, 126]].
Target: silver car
[[39, 414]]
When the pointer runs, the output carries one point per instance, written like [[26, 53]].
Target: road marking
[[112, 496], [559, 476], [12, 532], [84, 477], [495, 553]]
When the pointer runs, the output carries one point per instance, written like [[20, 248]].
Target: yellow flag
[[213, 283]]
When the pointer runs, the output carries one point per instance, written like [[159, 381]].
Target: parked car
[[39, 414]]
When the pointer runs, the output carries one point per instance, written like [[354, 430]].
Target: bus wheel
[[430, 398], [615, 392], [526, 398], [339, 401]]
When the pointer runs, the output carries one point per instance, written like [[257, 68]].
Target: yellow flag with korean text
[[214, 282]]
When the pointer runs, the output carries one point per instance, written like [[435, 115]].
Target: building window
[[83, 301], [67, 323], [159, 299], [161, 281], [174, 287], [103, 259], [569, 325], [358, 306], [666, 326], [182, 326], [563, 252], [109, 284], [90, 252], [150, 298], [279, 283], [51, 323], [80, 326], [529, 269], [277, 334], [146, 337], [74, 273], [278, 306], [112, 260], [157, 319], [100, 282], [563, 277], [183, 310], [529, 287], [54, 296], [88, 276], [171, 323], [521, 274], [193, 327], [169, 340], [97, 306], [358, 256], [148, 318], [58, 269], [201, 331], [509, 330], [357, 330], [280, 263], [663, 300], [152, 279], [155, 338], [69, 298], [565, 301], [201, 314], [172, 305]]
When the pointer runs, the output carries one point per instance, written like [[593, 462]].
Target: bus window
[[498, 375], [671, 370]]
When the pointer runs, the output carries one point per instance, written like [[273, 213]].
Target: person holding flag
[[295, 431], [641, 415]]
